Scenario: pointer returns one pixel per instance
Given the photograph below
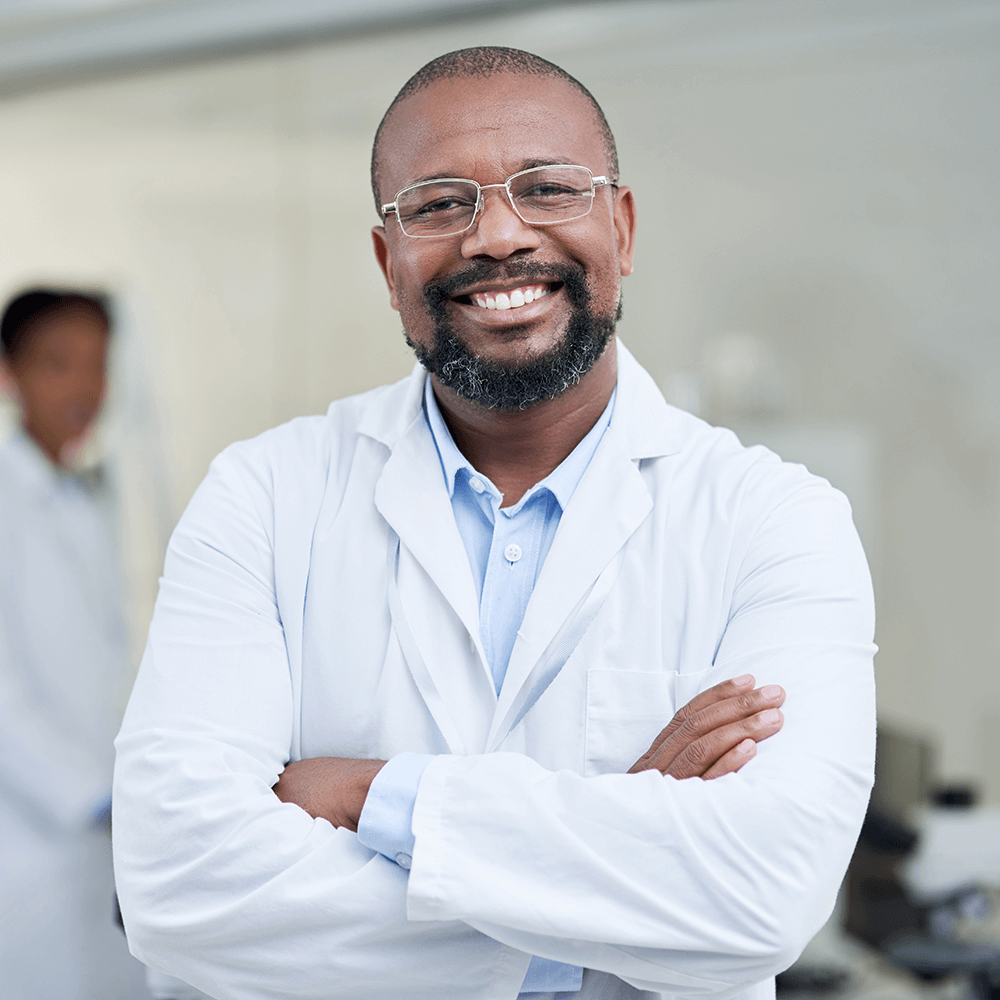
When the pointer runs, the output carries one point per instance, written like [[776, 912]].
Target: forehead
[[66, 329], [487, 129]]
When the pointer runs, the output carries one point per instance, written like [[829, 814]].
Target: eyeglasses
[[541, 196]]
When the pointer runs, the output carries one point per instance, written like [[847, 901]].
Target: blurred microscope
[[919, 912]]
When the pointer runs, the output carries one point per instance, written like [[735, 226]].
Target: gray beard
[[510, 387]]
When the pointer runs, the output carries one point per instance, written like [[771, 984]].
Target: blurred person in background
[[62, 653]]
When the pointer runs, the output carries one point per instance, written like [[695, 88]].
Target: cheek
[[411, 305], [90, 386], [410, 309], [605, 284]]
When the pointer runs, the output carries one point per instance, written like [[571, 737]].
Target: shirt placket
[[510, 576]]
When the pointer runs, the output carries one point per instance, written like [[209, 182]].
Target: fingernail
[[745, 681], [771, 692], [746, 748], [770, 717]]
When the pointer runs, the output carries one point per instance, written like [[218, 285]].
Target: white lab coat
[[317, 600], [62, 653]]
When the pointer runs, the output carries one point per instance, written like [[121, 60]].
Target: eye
[[436, 200], [446, 203], [549, 189]]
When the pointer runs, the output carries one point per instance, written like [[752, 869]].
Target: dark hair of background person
[[25, 310], [486, 61]]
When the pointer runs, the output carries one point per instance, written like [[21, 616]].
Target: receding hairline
[[483, 62]]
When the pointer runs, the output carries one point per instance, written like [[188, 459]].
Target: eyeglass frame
[[601, 180]]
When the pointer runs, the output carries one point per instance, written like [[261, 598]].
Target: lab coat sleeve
[[46, 772], [687, 887], [220, 883]]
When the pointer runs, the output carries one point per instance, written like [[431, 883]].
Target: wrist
[[363, 774]]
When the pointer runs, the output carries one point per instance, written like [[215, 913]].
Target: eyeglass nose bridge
[[481, 204]]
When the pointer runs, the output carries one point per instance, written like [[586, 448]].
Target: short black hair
[[485, 61], [23, 312]]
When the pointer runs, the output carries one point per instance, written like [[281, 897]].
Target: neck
[[50, 449], [518, 449]]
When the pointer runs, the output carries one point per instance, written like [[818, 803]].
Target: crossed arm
[[702, 888], [715, 733]]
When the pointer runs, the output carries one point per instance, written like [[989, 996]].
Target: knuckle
[[667, 731], [689, 731], [682, 715], [697, 754]]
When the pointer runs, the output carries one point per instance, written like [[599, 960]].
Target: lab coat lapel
[[608, 505], [412, 496], [443, 650]]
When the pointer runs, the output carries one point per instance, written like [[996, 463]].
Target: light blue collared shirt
[[506, 547]]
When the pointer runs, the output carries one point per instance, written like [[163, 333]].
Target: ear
[[384, 257], [625, 228]]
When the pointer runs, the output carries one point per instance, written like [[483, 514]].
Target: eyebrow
[[525, 165]]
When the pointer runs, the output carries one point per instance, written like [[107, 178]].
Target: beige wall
[[816, 265]]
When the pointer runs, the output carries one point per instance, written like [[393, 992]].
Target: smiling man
[[471, 688]]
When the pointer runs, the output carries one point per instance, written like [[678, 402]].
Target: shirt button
[[512, 552], [404, 860], [477, 484]]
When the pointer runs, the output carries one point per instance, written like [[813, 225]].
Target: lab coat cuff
[[386, 821]]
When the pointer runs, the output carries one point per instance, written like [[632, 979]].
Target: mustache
[[572, 276]]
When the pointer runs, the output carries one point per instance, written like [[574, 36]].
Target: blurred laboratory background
[[817, 268]]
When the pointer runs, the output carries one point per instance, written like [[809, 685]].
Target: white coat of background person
[[320, 615], [62, 658]]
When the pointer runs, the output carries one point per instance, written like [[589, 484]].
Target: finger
[[732, 761], [715, 716], [731, 688], [695, 759], [730, 710], [723, 691]]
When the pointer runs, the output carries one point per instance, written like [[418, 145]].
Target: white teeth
[[509, 300]]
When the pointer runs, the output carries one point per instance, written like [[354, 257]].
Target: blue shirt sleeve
[[386, 821], [386, 826]]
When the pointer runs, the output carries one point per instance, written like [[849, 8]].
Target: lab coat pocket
[[626, 709]]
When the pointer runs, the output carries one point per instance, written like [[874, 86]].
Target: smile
[[514, 298]]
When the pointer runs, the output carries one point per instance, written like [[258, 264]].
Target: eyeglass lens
[[540, 195]]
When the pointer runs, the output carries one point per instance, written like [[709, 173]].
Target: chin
[[508, 386]]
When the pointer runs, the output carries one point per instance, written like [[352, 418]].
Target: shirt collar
[[35, 473], [32, 468], [561, 482]]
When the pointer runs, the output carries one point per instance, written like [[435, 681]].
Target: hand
[[716, 732], [332, 787]]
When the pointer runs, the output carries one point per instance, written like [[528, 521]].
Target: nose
[[498, 231]]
